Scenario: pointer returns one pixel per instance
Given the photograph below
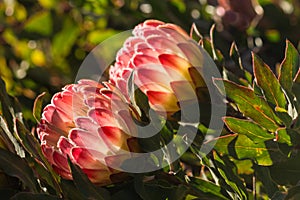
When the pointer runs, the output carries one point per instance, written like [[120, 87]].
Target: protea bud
[[164, 62], [91, 124]]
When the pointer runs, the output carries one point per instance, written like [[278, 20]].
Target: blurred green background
[[43, 43]]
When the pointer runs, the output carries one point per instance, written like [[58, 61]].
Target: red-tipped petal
[[175, 65], [89, 159], [114, 137], [167, 100], [65, 146], [86, 139], [60, 161]]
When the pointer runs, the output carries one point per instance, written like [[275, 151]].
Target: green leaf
[[70, 191], [249, 104], [263, 174], [38, 107], [268, 82], [241, 147], [32, 145], [30, 196], [178, 193], [40, 22], [248, 128], [28, 141], [283, 136], [85, 186], [206, 189], [156, 189], [289, 66], [227, 171], [237, 73], [7, 109], [13, 165]]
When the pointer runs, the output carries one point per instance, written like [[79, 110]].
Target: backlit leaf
[[289, 66], [248, 128], [268, 82], [241, 147], [250, 104]]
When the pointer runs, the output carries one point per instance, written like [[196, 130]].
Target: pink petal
[[48, 152], [63, 100], [164, 44], [65, 174], [114, 137], [192, 53], [60, 161], [175, 28], [86, 123], [103, 117], [167, 100], [89, 159], [65, 146], [175, 65], [89, 140], [151, 75], [140, 60], [57, 117]]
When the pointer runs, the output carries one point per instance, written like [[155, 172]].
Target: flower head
[[164, 62], [91, 124]]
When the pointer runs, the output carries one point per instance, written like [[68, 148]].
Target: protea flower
[[164, 62], [91, 124]]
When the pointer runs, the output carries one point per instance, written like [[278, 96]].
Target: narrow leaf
[[85, 186], [250, 105], [37, 106], [7, 109], [248, 128], [206, 188], [226, 169], [263, 174], [268, 82], [289, 66], [13, 165]]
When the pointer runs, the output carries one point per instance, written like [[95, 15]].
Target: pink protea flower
[[164, 63], [92, 124]]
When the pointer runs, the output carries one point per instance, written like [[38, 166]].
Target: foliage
[[257, 156]]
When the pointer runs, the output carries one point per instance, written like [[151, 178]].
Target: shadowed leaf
[[227, 171], [85, 186], [17, 168]]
